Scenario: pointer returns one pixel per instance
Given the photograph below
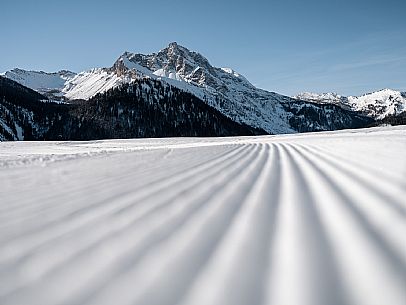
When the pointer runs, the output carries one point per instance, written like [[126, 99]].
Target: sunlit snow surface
[[300, 219]]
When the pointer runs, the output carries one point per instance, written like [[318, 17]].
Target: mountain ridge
[[144, 108], [47, 83], [378, 104], [221, 88]]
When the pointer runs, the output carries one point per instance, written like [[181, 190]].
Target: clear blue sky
[[287, 46]]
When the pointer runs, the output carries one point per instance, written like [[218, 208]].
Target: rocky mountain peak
[[179, 63], [175, 48]]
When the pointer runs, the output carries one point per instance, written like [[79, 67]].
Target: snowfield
[[297, 219]]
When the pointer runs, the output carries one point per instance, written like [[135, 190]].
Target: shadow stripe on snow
[[391, 262], [304, 270], [107, 203], [95, 182], [131, 255], [386, 177], [377, 190], [230, 162], [247, 244], [190, 247]]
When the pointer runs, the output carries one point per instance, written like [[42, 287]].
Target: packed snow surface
[[296, 219]]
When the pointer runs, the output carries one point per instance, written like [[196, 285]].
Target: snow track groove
[[300, 230], [387, 192], [117, 205], [363, 212], [299, 219], [387, 266]]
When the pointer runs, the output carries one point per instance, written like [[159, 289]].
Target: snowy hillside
[[50, 84], [310, 219], [87, 84], [377, 105]]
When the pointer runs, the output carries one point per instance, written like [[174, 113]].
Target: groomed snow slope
[[299, 219]]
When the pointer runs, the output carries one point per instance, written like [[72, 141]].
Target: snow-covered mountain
[[222, 88], [323, 98], [144, 108], [377, 105], [49, 84]]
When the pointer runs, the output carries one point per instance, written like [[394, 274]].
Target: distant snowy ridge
[[43, 82], [380, 104], [322, 98], [377, 104]]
